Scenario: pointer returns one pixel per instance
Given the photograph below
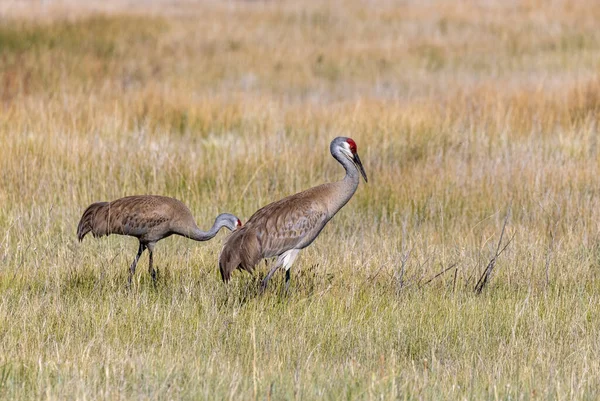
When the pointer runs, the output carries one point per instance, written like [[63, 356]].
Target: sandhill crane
[[149, 218], [284, 227]]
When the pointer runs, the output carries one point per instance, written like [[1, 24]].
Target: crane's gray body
[[284, 227], [149, 218]]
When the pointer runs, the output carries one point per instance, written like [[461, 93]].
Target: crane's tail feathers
[[241, 251], [89, 222]]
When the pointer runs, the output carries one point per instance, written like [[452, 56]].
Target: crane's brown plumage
[[284, 227], [149, 218]]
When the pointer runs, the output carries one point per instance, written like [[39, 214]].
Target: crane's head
[[347, 148], [228, 220]]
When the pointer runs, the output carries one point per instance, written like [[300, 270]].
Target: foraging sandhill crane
[[149, 218], [284, 227]]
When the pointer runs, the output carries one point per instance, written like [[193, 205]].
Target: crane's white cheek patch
[[346, 150]]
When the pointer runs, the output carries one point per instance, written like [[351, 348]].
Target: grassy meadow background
[[465, 114]]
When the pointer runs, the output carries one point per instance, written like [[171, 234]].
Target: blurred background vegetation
[[463, 112]]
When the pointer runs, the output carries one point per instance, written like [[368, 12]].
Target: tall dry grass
[[463, 113]]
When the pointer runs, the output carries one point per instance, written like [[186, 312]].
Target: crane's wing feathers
[[136, 224], [280, 227], [133, 215], [290, 223], [271, 231], [147, 217]]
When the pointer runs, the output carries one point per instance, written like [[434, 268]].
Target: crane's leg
[[277, 265], [135, 261], [288, 261], [287, 280], [150, 264]]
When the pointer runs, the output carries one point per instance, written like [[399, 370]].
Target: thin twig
[[374, 276], [488, 270], [483, 280], [452, 266], [403, 261], [454, 281], [404, 258]]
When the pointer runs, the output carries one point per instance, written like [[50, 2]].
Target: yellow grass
[[462, 112]]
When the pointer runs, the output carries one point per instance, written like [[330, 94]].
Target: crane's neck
[[344, 189], [199, 235]]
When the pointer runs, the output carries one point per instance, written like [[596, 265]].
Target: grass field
[[466, 115]]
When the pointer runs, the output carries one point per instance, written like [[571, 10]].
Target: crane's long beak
[[360, 166]]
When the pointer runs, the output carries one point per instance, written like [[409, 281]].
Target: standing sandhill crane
[[285, 227], [149, 218]]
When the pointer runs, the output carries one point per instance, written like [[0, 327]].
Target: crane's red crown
[[239, 223], [352, 145]]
